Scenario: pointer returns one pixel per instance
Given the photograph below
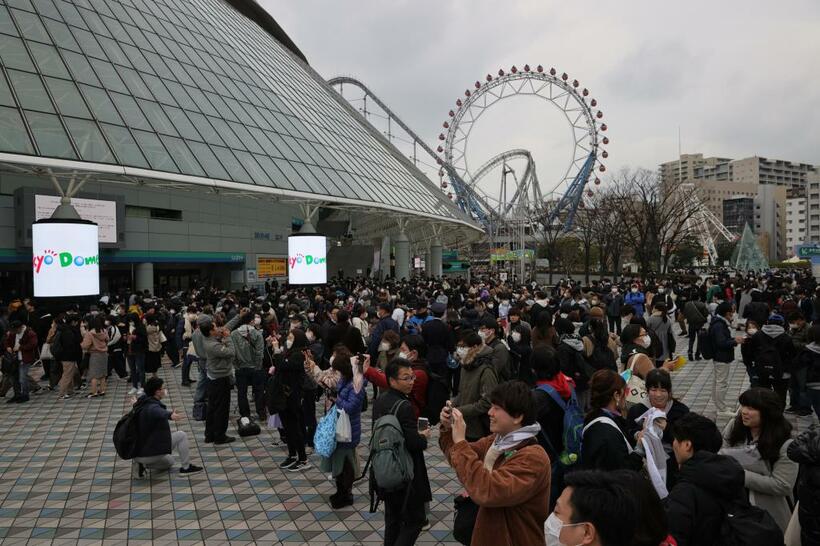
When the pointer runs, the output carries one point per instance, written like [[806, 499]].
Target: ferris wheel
[[564, 194]]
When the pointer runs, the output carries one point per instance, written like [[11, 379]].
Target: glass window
[[79, 66], [101, 104], [204, 127], [22, 4], [180, 94], [131, 113], [183, 125], [245, 137], [201, 102], [124, 146], [134, 82], [6, 98], [48, 60], [113, 50], [291, 175], [158, 65], [30, 91], [274, 174], [136, 58], [61, 34], [13, 135], [46, 7], [226, 133], [157, 117], [6, 23], [89, 44], [30, 26], [258, 176], [157, 156], [14, 55], [108, 76], [96, 24], [183, 156], [67, 97], [158, 89], [209, 161], [50, 136], [229, 161], [89, 140]]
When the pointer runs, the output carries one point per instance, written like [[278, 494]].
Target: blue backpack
[[324, 440], [573, 425]]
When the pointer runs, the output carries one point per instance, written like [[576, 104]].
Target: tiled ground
[[62, 483]]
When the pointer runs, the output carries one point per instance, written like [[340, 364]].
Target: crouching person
[[507, 474], [156, 441]]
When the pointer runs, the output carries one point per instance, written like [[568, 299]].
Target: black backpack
[[768, 362], [57, 346], [748, 525], [251, 429], [126, 433], [601, 358], [278, 394]]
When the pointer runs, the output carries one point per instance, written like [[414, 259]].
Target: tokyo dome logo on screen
[[61, 260]]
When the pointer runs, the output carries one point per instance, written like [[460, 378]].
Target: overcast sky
[[738, 78]]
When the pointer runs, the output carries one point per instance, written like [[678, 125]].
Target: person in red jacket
[[20, 344], [414, 350]]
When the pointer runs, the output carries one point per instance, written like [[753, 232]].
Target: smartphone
[[360, 364], [423, 424]]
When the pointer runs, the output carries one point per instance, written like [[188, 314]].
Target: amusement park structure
[[521, 204]]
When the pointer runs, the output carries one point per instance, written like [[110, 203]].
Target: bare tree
[[585, 231]]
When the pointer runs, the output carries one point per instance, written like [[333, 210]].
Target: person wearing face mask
[[696, 314], [156, 442], [595, 509], [746, 353], [219, 352], [506, 473], [772, 352], [385, 323], [799, 402], [605, 438], [520, 351], [488, 331], [636, 299], [478, 379], [359, 321], [614, 301], [289, 366], [248, 367], [414, 350], [723, 353]]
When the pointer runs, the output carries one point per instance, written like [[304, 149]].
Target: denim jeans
[[202, 384], [186, 367], [22, 377], [136, 363], [250, 377]]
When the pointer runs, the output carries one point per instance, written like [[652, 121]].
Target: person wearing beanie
[[723, 347]]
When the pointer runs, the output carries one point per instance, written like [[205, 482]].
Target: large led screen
[[307, 259], [65, 259], [102, 213]]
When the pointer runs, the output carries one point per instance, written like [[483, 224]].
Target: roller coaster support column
[[435, 253]]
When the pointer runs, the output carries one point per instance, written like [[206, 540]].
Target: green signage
[[808, 251]]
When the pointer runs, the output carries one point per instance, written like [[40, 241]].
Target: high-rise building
[[796, 219], [770, 220], [737, 212], [684, 168], [750, 170], [713, 193]]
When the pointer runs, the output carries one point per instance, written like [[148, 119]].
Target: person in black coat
[[440, 341], [289, 367], [805, 450], [156, 441], [756, 310], [706, 481], [605, 441], [404, 513]]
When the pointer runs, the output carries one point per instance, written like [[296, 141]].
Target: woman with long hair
[[95, 342], [660, 324], [137, 346], [605, 442], [543, 332], [289, 365], [153, 358], [758, 438]]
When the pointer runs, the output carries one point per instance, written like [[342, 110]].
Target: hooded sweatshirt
[[95, 342]]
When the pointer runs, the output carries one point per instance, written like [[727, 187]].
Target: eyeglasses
[[408, 378]]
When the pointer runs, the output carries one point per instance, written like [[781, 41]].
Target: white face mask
[[311, 316], [332, 358], [384, 346], [309, 335], [646, 341], [483, 335], [553, 528], [462, 351], [751, 331], [490, 305], [257, 321], [289, 343], [660, 290], [516, 337], [634, 290], [403, 355]]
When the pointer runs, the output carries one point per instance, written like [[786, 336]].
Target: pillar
[[402, 244], [435, 258], [384, 266], [144, 277]]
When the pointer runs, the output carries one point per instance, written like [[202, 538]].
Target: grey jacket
[[770, 490], [249, 347], [199, 346], [478, 379], [220, 356]]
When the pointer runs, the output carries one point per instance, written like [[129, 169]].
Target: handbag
[[9, 364], [464, 519], [45, 352], [343, 429], [324, 440], [636, 387]]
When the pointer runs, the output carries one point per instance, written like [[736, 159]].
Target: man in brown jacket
[[507, 474]]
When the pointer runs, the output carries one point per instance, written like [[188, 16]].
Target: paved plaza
[[62, 483]]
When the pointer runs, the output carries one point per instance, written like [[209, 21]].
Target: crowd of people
[[555, 405]]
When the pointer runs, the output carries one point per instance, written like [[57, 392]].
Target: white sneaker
[[132, 391]]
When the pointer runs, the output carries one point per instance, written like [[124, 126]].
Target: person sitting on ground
[[506, 473], [595, 509], [156, 441]]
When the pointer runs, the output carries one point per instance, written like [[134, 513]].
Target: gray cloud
[[738, 78]]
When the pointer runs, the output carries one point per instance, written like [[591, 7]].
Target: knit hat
[[596, 312], [723, 308], [776, 319]]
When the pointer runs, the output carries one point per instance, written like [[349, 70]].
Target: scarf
[[560, 383], [506, 442]]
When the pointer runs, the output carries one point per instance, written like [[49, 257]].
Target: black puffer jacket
[[694, 505], [70, 339], [805, 450]]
